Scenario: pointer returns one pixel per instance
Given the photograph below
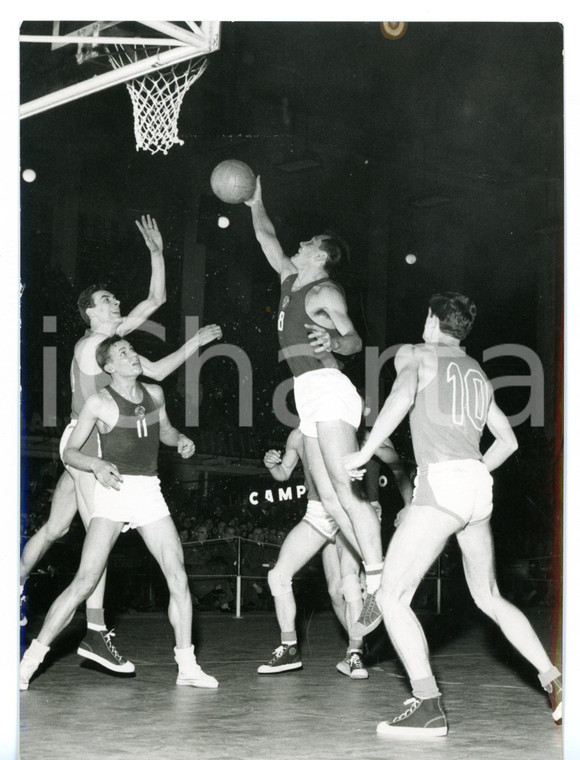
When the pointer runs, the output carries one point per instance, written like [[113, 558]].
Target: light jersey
[[83, 386], [450, 413], [133, 444], [292, 334]]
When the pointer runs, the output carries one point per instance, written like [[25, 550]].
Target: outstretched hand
[[257, 196], [151, 235], [208, 333]]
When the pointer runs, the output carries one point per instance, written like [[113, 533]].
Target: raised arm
[[159, 369], [282, 466], [505, 440], [157, 295], [398, 403], [169, 435], [266, 235], [331, 300]]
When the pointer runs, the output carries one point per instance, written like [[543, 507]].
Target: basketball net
[[157, 98]]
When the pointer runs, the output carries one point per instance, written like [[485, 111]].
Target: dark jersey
[[449, 414], [133, 444], [292, 334]]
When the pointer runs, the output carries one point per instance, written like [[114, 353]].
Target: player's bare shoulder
[[323, 300], [156, 393], [85, 352], [408, 356], [327, 291]]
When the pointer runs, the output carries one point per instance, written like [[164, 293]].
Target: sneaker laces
[[414, 704], [110, 646], [368, 607], [278, 652], [354, 660]]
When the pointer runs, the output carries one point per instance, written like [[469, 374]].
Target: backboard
[[66, 60]]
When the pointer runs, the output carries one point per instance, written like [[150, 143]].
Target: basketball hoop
[[157, 97]]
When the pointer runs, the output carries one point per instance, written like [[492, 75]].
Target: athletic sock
[[548, 676], [425, 688], [355, 645], [288, 637], [96, 619], [184, 656], [37, 651], [373, 574]]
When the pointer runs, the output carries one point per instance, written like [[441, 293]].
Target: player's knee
[[53, 531], [390, 597], [351, 588], [176, 578], [84, 584], [486, 599], [280, 583], [334, 587]]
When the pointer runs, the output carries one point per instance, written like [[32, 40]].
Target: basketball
[[233, 181]]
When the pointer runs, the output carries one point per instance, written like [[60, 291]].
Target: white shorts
[[91, 447], [138, 502], [326, 395], [378, 509], [462, 488], [319, 519]]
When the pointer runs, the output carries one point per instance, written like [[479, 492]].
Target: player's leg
[[336, 439], [84, 483], [331, 567], [476, 544], [62, 511], [326, 491], [300, 545], [162, 540], [99, 541], [415, 545], [352, 665], [96, 644]]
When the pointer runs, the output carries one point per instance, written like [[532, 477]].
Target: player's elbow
[[157, 299], [66, 455], [153, 372], [509, 442], [513, 444]]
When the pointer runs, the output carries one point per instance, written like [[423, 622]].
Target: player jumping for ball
[[450, 401], [313, 325], [131, 420], [100, 310]]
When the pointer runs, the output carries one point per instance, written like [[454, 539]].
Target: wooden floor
[[495, 706]]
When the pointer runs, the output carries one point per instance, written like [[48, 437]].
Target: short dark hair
[[337, 252], [456, 313], [104, 348], [85, 300]]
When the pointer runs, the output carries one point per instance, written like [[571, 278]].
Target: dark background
[[446, 143]]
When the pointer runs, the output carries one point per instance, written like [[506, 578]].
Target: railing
[[434, 573], [523, 582]]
